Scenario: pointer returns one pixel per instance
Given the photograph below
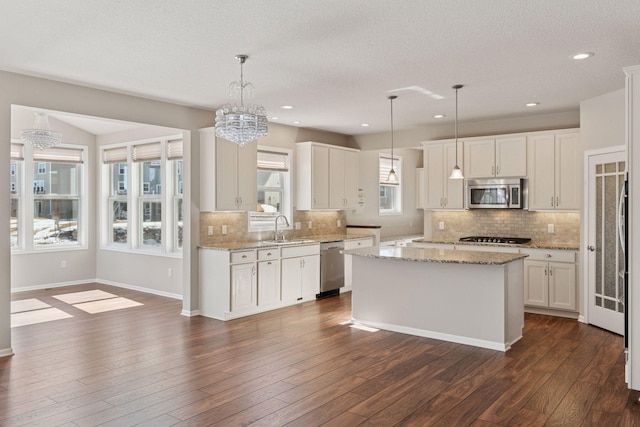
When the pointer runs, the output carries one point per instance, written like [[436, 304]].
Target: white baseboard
[[52, 285], [551, 312], [139, 288], [5, 352], [191, 313]]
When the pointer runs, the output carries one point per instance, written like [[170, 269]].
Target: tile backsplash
[[322, 223], [504, 222]]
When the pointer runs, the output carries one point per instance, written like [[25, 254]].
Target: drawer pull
[[244, 256], [268, 253], [547, 255]]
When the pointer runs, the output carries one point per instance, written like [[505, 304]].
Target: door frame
[[585, 224]]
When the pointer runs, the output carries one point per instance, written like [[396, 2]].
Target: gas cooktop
[[505, 240]]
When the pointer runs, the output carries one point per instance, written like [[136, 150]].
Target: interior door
[[605, 254]]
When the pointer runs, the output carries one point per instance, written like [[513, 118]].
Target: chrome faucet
[[275, 237]]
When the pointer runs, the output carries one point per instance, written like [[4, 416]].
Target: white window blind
[[17, 152], [174, 149], [147, 152], [385, 167], [58, 155], [115, 155], [269, 160]]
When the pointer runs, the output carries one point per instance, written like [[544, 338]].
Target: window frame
[[398, 188]]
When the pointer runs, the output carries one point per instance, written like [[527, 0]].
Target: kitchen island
[[467, 297]]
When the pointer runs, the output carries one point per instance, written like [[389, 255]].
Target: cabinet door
[[562, 285], [319, 177], [453, 188], [541, 165], [243, 286], [479, 158], [351, 177], [536, 283], [511, 157], [226, 175], [247, 177], [336, 178], [291, 279], [268, 282], [310, 276], [567, 174], [433, 181]]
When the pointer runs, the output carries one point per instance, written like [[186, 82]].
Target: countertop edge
[[530, 245]]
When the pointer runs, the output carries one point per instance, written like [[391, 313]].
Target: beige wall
[[602, 121]]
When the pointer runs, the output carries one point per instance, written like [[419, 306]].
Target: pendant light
[[456, 173], [393, 177]]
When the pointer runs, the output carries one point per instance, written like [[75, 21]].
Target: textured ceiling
[[335, 61]]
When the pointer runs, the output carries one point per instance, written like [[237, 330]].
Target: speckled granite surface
[[534, 244], [437, 255], [247, 245]]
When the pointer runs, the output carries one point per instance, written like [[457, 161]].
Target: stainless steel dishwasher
[[331, 268]]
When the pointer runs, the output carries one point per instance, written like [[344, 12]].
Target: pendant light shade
[[456, 173], [392, 178]]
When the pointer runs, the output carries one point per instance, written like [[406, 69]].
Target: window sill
[[52, 249], [113, 248]]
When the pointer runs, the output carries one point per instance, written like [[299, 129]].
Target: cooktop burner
[[487, 239]]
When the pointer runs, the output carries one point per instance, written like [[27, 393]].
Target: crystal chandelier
[[41, 136], [239, 123]]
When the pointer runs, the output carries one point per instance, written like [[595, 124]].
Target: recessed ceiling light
[[583, 55], [287, 107], [532, 104], [275, 118], [439, 116], [364, 125], [296, 122]]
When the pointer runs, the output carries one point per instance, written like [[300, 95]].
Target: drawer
[[303, 250], [243, 256], [549, 255], [360, 243], [265, 254]]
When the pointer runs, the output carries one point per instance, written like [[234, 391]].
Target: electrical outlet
[[338, 223], [310, 224], [551, 228], [441, 225], [210, 230], [298, 225], [224, 229], [63, 264], [170, 272]]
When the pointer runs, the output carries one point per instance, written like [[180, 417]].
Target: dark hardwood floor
[[300, 366]]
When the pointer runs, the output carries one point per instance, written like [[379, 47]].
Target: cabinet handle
[[268, 253], [550, 271], [446, 201], [545, 272], [551, 200], [359, 243], [253, 271], [269, 263], [493, 170], [547, 255], [557, 201], [244, 256], [591, 248]]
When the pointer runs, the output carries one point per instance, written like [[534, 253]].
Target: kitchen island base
[[474, 304]]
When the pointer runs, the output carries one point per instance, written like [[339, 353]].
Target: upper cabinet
[[495, 157], [554, 171], [327, 176], [440, 192], [228, 174]]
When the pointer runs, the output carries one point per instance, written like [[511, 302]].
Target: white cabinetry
[[440, 191], [268, 277], [327, 176], [300, 273], [495, 157], [366, 242], [244, 289], [420, 188], [550, 279], [228, 174], [554, 171]]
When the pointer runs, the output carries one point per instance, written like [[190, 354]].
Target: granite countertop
[[533, 244], [248, 245], [437, 255]]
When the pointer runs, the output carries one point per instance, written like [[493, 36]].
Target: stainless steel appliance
[[493, 239], [496, 193], [331, 268]]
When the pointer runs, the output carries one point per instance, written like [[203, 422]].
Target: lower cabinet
[[366, 242], [269, 283], [550, 279], [244, 283], [300, 277]]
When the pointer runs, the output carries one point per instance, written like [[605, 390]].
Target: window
[[274, 188], [141, 214], [54, 220], [390, 196]]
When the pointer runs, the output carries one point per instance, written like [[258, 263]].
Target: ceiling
[[334, 61]]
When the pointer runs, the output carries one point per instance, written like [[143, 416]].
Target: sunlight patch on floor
[[103, 305], [37, 316], [85, 296], [27, 305]]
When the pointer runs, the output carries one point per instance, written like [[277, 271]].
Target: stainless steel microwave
[[490, 193]]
